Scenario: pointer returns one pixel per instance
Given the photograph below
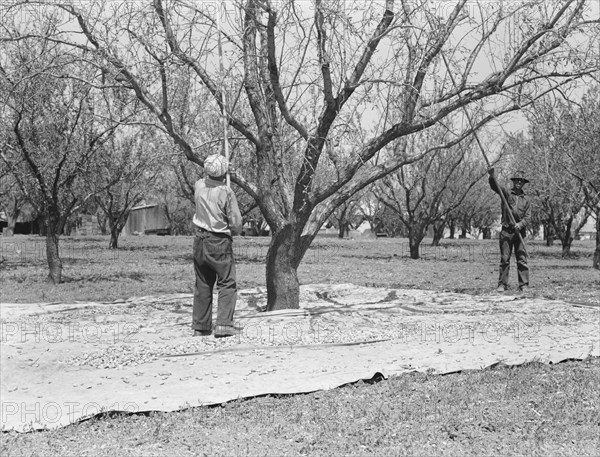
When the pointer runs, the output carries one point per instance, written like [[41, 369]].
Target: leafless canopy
[[319, 88]]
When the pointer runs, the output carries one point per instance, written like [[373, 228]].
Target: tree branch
[[274, 74], [201, 72]]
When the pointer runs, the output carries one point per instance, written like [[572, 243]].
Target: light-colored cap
[[215, 165]]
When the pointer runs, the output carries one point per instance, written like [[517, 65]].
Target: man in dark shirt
[[216, 220], [509, 239]]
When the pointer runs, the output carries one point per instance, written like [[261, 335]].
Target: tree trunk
[[597, 252], [548, 234], [11, 220], [414, 243], [438, 233], [68, 228], [114, 239], [566, 247], [342, 230], [414, 249], [567, 239], [12, 212], [487, 233], [342, 224], [452, 227], [116, 223], [463, 233], [52, 252], [283, 288], [102, 219], [10, 228]]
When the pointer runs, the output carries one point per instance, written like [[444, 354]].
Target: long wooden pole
[[505, 202], [223, 96]]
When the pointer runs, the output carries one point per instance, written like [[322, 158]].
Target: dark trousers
[[213, 264], [509, 240]]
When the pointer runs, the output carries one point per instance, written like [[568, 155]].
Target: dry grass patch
[[533, 410]]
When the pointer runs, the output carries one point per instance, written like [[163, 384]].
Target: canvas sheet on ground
[[65, 362]]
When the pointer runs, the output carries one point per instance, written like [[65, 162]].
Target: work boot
[[202, 332], [501, 288], [524, 288], [223, 331]]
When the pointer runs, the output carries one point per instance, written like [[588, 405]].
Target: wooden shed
[[147, 220]]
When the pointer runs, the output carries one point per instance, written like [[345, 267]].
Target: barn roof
[[153, 205]]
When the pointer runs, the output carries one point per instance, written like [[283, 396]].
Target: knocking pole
[[223, 96], [502, 196]]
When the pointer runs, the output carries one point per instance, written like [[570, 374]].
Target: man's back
[[216, 207]]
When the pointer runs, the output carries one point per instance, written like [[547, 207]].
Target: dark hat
[[520, 175]]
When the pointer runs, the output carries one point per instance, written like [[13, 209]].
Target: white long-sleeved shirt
[[216, 207]]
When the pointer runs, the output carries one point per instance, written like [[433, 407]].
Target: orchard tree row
[[322, 100]]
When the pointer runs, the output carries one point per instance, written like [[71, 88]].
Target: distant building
[[86, 225], [588, 231], [28, 223], [363, 231], [147, 220]]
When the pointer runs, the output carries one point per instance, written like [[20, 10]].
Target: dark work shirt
[[519, 203]]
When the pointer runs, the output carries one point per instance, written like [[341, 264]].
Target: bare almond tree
[[478, 211], [121, 177], [582, 153], [53, 134], [295, 71], [425, 192], [562, 151], [560, 154]]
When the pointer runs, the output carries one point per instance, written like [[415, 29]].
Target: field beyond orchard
[[534, 409]]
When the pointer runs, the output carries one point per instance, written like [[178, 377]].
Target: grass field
[[534, 409], [156, 265]]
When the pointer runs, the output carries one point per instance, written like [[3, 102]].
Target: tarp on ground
[[61, 362]]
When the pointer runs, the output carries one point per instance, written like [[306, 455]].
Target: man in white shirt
[[216, 220]]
